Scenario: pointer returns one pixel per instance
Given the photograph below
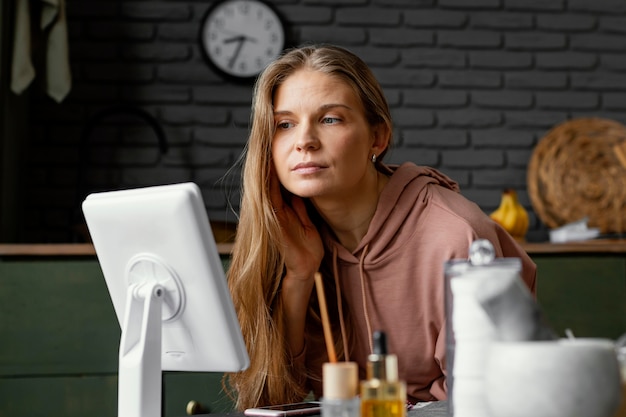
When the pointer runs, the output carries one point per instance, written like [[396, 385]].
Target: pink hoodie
[[421, 221]]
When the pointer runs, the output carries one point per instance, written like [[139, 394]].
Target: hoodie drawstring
[[342, 324], [364, 297]]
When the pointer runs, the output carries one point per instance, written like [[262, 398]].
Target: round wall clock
[[240, 37]]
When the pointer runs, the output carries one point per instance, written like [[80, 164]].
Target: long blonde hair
[[257, 265]]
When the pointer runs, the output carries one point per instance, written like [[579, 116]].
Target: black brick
[[337, 35], [310, 15], [412, 117], [188, 72], [221, 136], [565, 23], [533, 5], [435, 19], [434, 58], [469, 118], [404, 77], [615, 62], [166, 52], [118, 31], [119, 72], [368, 17], [150, 11], [500, 60], [501, 138], [475, 4], [566, 60], [614, 101], [535, 119], [602, 6], [435, 98], [157, 94], [222, 94], [532, 80], [401, 37], [567, 100], [509, 178], [470, 79], [613, 24], [419, 156], [502, 99], [598, 42], [445, 139], [502, 20], [469, 39], [535, 41], [472, 158], [203, 115], [599, 81]]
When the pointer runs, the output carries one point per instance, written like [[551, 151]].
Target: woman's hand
[[301, 242], [303, 251]]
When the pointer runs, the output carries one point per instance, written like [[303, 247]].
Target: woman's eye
[[284, 125], [330, 120]]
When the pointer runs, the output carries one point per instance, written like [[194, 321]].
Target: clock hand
[[240, 41], [238, 38]]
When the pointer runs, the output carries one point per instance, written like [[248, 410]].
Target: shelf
[[225, 249], [587, 246], [69, 249]]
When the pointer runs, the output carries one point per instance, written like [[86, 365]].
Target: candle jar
[[470, 330]]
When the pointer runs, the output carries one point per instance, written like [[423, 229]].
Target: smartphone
[[294, 409]]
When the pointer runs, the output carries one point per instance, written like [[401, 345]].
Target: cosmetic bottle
[[382, 394], [340, 385]]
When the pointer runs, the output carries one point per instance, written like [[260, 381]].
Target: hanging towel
[[52, 36]]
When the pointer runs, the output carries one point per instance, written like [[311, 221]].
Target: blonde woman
[[317, 197]]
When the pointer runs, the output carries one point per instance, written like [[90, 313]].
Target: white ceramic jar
[[561, 378]]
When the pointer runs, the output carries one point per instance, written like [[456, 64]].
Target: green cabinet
[[60, 335], [60, 342], [583, 292]]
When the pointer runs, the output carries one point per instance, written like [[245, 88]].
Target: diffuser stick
[[330, 345]]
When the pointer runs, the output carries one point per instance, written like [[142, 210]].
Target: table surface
[[605, 246], [433, 409]]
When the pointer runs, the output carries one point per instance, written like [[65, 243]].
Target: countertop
[[87, 249], [68, 249]]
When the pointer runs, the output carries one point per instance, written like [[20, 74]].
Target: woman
[[316, 197]]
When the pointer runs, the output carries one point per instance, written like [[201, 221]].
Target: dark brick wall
[[474, 84]]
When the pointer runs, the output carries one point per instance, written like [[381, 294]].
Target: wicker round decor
[[579, 170]]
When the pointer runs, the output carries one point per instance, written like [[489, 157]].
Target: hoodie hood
[[393, 280], [405, 192]]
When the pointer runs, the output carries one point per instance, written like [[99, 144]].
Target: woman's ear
[[381, 136]]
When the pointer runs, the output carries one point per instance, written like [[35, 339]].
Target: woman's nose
[[307, 138]]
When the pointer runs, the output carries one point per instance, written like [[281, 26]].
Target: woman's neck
[[350, 218]]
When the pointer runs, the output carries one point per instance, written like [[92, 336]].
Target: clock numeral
[[243, 67], [258, 62], [274, 37], [220, 23], [269, 24], [217, 51], [244, 8], [229, 11]]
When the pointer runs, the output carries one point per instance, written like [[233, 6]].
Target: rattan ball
[[578, 170]]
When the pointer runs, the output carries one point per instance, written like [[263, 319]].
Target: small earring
[[373, 158]]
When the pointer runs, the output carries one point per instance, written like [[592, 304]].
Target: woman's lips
[[307, 168]]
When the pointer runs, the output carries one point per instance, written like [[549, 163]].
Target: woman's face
[[323, 144]]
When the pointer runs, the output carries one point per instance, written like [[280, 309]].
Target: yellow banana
[[511, 215]]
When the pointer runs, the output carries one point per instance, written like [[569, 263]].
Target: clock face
[[240, 37]]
